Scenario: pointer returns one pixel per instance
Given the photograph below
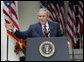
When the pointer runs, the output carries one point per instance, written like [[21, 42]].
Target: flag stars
[[8, 3]]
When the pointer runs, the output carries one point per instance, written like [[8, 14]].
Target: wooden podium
[[47, 49]]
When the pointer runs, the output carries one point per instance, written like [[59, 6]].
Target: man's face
[[42, 16]]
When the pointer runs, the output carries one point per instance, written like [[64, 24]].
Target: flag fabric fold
[[80, 16], [71, 23]]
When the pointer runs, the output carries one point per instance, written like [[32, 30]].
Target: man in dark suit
[[35, 30], [44, 28]]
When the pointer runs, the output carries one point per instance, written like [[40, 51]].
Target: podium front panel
[[61, 49]]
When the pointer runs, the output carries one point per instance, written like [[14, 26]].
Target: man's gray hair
[[44, 9]]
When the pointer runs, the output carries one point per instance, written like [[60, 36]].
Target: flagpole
[[7, 48]]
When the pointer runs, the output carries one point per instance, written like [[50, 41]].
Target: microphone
[[48, 30], [47, 33]]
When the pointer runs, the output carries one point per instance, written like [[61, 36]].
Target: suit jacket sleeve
[[24, 34]]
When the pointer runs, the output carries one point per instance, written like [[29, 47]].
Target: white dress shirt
[[47, 27]]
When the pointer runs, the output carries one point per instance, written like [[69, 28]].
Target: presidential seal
[[47, 49]]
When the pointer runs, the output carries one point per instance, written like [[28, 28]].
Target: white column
[[3, 37]]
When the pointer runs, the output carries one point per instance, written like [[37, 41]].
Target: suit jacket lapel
[[51, 28], [40, 30]]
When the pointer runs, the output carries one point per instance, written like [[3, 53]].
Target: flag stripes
[[10, 16]]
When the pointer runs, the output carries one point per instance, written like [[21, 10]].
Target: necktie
[[45, 31]]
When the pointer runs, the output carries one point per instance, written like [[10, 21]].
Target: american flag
[[56, 12], [80, 15], [71, 23], [62, 16], [10, 15]]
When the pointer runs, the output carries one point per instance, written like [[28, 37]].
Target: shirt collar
[[45, 24]]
